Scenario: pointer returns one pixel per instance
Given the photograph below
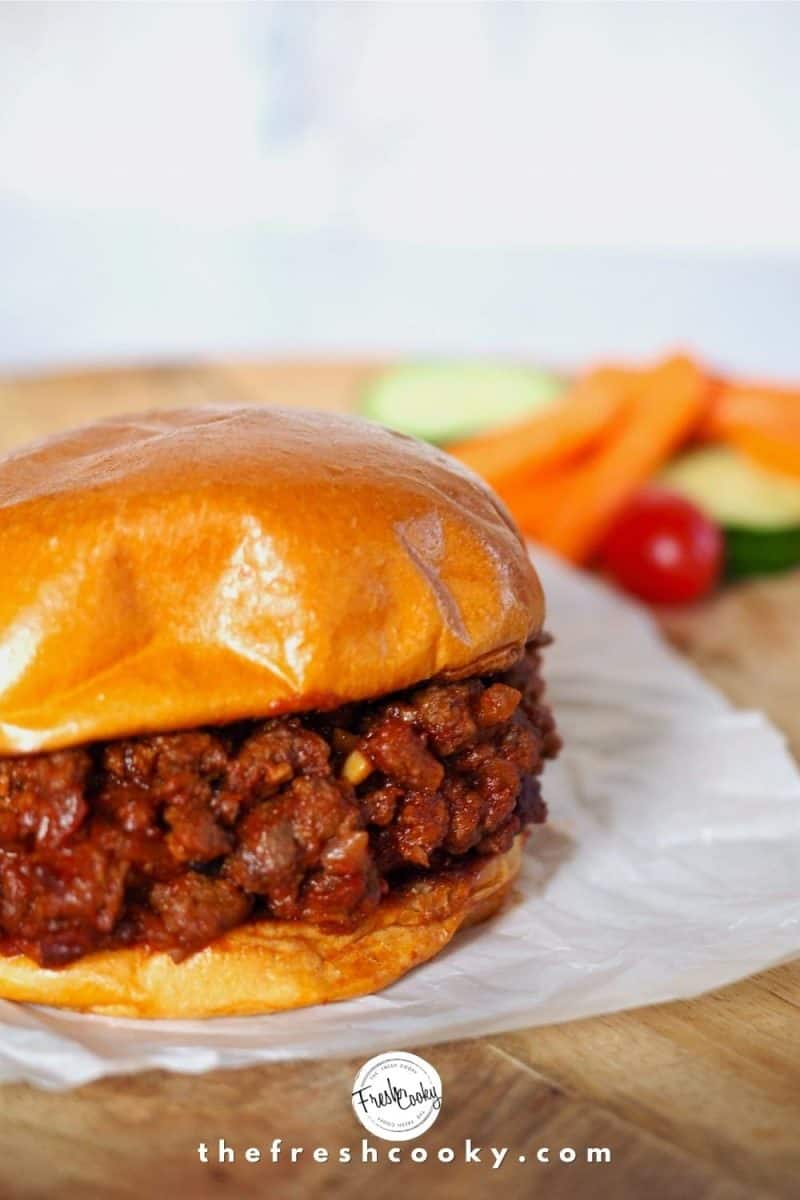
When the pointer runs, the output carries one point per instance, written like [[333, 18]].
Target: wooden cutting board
[[695, 1099]]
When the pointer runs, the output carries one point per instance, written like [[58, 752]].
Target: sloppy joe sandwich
[[271, 712]]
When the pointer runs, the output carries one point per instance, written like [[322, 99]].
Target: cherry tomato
[[663, 549]]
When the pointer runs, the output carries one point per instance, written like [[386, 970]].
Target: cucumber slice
[[733, 491], [442, 402], [758, 509], [760, 551]]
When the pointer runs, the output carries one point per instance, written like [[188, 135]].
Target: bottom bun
[[272, 965]]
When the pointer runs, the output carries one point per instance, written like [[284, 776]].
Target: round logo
[[397, 1096]]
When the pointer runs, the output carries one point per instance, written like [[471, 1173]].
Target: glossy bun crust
[[196, 567], [272, 965]]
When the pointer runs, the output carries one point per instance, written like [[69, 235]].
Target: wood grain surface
[[694, 1099]]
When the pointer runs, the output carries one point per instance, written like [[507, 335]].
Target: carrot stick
[[552, 437], [733, 405], [534, 500], [760, 420], [776, 446], [571, 514]]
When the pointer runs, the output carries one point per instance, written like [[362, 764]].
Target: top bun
[[196, 567]]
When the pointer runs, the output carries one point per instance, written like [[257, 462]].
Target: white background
[[557, 179]]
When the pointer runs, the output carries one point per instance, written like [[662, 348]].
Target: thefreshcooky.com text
[[493, 1156]]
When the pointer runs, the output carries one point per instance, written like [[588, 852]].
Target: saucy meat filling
[[169, 840]]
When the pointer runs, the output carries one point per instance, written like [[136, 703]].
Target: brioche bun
[[201, 566]]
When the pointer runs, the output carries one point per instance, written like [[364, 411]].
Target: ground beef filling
[[169, 841]]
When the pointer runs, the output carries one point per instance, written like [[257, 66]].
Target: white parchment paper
[[671, 865]]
